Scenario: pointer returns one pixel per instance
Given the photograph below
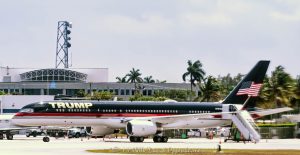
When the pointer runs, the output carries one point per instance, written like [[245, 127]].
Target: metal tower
[[62, 44]]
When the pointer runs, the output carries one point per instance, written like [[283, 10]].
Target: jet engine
[[141, 128], [101, 131]]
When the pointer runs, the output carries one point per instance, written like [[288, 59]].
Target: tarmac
[[21, 145]]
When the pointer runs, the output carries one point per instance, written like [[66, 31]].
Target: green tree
[[174, 94], [195, 73], [277, 90], [297, 89], [81, 93], [134, 76], [139, 97], [2, 93], [149, 79], [122, 79], [105, 95], [227, 83], [210, 89], [296, 99]]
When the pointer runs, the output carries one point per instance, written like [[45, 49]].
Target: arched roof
[[55, 74]]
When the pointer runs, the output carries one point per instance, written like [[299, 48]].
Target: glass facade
[[46, 75]]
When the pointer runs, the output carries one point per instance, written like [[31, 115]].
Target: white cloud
[[126, 25], [285, 16], [234, 6], [201, 19]]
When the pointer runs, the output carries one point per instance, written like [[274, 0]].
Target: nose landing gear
[[46, 139]]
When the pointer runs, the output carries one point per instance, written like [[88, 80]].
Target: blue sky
[[158, 37]]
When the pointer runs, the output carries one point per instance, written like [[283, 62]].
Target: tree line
[[279, 89]]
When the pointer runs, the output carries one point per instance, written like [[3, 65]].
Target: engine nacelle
[[141, 128], [101, 131]]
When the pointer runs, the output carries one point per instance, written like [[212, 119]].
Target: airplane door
[[226, 108]]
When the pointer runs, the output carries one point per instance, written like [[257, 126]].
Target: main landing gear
[[9, 136], [136, 139], [160, 139]]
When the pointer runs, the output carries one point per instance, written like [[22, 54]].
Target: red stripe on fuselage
[[93, 114]]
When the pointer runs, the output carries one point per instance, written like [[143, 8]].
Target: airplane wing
[[260, 113], [187, 117], [16, 128], [8, 129]]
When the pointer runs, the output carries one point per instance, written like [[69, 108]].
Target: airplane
[[143, 119], [8, 129]]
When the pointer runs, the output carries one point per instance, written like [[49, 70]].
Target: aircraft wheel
[[9, 136], [164, 139], [77, 135], [136, 139], [1, 136], [141, 139], [34, 134], [157, 139], [160, 139], [131, 139], [46, 139]]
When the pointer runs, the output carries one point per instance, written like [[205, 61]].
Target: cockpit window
[[27, 110]]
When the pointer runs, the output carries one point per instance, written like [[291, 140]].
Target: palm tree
[[122, 79], [134, 76], [210, 89], [278, 89], [195, 72], [148, 79]]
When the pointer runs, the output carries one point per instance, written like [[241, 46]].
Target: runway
[[35, 146]]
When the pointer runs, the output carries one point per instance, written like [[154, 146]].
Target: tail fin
[[240, 93]]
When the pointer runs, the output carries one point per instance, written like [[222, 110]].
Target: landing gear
[[46, 139], [77, 135], [9, 136], [160, 139], [1, 136], [136, 139]]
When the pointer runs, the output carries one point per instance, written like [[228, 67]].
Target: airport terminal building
[[66, 81]]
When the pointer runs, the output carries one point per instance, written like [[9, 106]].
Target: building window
[[150, 93], [122, 92], [116, 91], [144, 92], [127, 92]]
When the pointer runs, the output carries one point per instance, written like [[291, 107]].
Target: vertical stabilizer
[[250, 84]]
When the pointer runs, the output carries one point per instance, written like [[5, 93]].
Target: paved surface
[[35, 146]]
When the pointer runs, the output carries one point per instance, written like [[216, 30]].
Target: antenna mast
[[62, 44]]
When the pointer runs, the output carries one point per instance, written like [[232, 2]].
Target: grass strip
[[195, 151]]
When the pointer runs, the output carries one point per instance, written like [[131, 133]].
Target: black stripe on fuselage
[[129, 107]]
